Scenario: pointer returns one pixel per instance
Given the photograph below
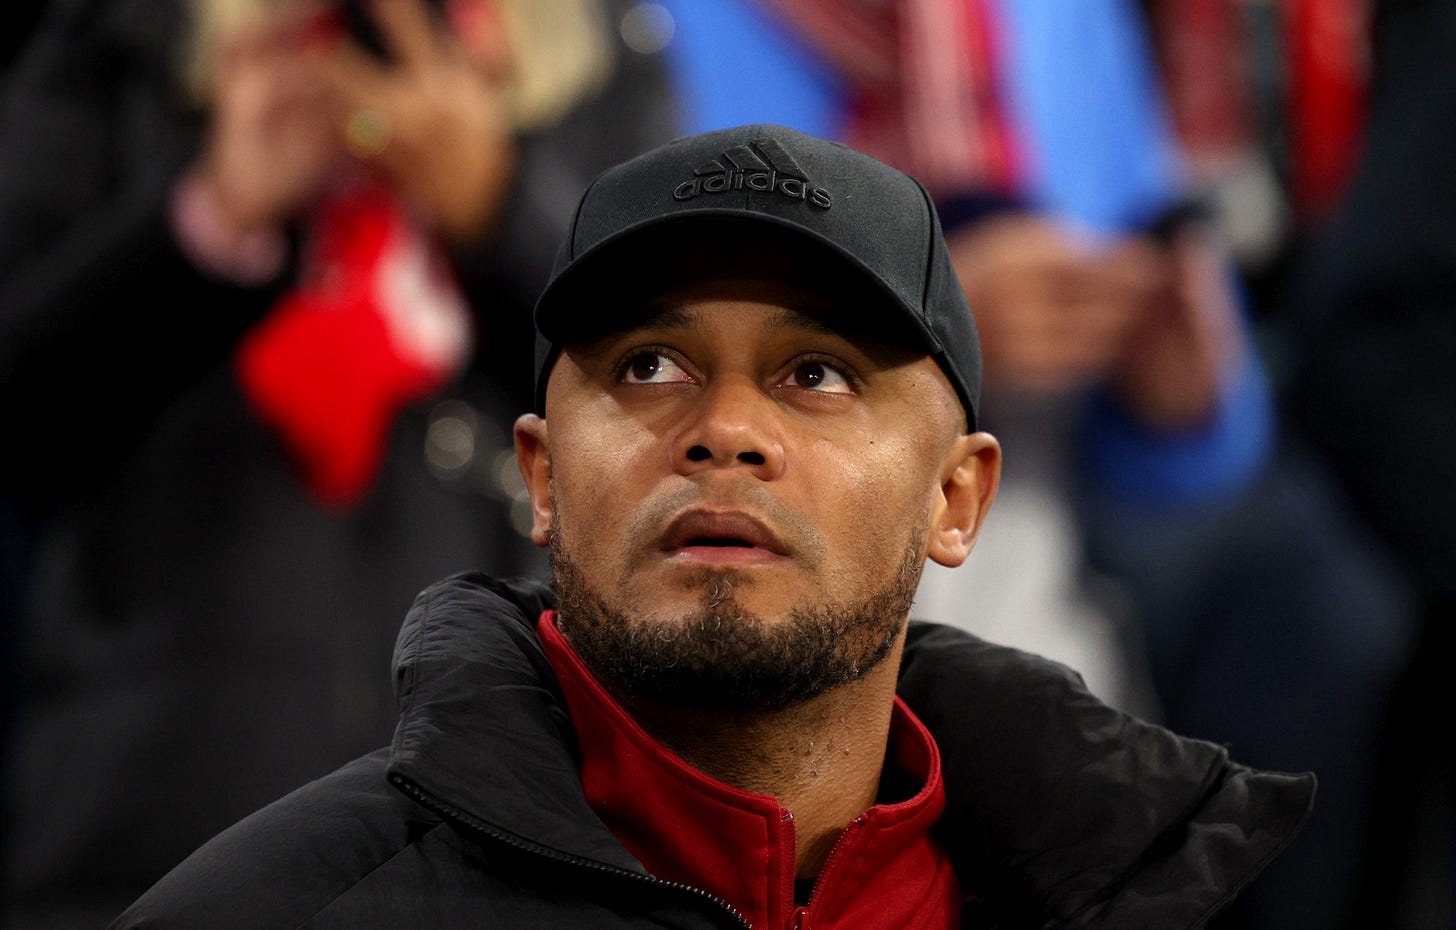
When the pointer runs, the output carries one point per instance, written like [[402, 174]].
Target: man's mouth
[[720, 538]]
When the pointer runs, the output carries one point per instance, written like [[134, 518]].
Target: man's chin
[[723, 639], [724, 657]]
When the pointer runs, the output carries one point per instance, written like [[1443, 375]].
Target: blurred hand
[[1053, 315], [1157, 322], [269, 144], [433, 121], [1169, 370]]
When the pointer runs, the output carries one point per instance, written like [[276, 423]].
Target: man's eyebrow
[[669, 316], [674, 316], [870, 335], [788, 317], [666, 317], [783, 318]]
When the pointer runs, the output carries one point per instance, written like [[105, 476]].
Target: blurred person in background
[[265, 272], [1370, 318], [1278, 107], [1158, 529]]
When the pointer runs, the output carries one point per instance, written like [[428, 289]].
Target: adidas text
[[795, 188]]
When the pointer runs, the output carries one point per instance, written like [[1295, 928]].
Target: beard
[[720, 656]]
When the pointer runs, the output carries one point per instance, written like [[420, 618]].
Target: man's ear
[[533, 457], [968, 481]]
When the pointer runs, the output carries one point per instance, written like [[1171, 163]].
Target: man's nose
[[734, 424]]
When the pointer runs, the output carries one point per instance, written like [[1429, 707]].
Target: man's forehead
[[792, 305], [877, 340]]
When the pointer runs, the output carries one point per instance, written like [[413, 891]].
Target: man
[[759, 381]]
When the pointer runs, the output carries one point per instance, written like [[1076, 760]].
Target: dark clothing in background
[[1060, 811], [1283, 632], [1374, 307], [197, 634], [1373, 324]]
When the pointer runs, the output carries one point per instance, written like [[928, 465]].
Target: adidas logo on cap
[[761, 165]]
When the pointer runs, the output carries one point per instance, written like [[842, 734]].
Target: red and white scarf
[[925, 85]]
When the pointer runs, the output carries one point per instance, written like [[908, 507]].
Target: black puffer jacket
[[1061, 812]]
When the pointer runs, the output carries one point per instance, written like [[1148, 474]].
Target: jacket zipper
[[836, 852], [511, 839]]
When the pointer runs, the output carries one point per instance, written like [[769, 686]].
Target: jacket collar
[[483, 728], [883, 871], [1072, 811], [1067, 808]]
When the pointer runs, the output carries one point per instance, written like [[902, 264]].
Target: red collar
[[884, 871]]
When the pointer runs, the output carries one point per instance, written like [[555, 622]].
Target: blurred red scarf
[[374, 322], [1298, 71], [924, 82]]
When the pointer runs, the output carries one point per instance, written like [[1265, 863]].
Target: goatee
[[721, 656]]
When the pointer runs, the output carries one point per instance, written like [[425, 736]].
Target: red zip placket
[[883, 871]]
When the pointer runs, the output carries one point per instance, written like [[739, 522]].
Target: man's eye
[[820, 376], [652, 368]]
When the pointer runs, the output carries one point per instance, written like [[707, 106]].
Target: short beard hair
[[722, 657]]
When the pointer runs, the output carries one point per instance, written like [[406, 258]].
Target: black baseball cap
[[851, 221]]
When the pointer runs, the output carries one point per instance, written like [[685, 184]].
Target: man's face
[[739, 495]]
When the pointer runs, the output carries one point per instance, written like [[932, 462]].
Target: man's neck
[[822, 759]]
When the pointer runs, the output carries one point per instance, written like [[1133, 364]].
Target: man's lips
[[720, 536]]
